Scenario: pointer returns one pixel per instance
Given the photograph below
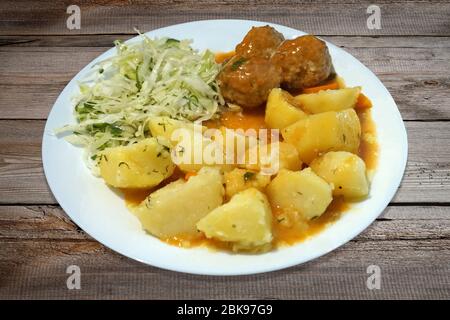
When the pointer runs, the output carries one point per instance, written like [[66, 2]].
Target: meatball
[[305, 62], [259, 41], [248, 81]]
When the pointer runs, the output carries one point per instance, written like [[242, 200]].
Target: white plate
[[102, 213]]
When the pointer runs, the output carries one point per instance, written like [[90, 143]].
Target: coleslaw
[[153, 77]]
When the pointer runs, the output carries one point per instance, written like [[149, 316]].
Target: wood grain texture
[[409, 269], [410, 241], [409, 244], [319, 17], [32, 77], [427, 177], [106, 40]]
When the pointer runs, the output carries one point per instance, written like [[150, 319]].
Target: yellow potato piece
[[246, 221], [234, 143], [165, 126], [287, 157], [281, 110], [240, 179], [328, 100], [194, 151], [141, 165], [345, 170], [301, 192], [175, 209], [323, 132]]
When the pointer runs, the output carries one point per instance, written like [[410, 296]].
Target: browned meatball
[[259, 41], [248, 81], [305, 62]]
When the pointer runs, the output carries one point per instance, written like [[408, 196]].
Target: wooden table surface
[[409, 242]]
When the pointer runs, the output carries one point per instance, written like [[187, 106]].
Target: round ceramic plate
[[102, 213]]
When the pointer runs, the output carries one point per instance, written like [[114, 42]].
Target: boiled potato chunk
[[241, 179], [289, 157], [264, 158], [165, 126], [302, 192], [281, 110], [234, 143], [329, 100], [345, 170], [194, 151], [141, 165], [323, 132], [246, 221], [175, 209]]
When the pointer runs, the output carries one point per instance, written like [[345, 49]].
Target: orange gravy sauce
[[289, 235], [134, 197], [240, 120], [223, 56], [368, 148], [183, 241]]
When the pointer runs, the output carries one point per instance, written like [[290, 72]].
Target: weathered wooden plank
[[427, 177], [51, 223], [39, 242], [428, 168], [106, 40], [409, 243], [38, 222], [320, 17], [21, 173], [410, 269], [32, 77]]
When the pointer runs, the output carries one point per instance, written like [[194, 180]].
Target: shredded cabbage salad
[[154, 77]]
